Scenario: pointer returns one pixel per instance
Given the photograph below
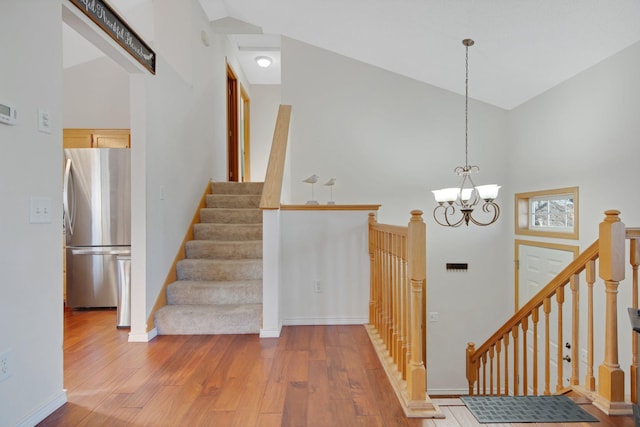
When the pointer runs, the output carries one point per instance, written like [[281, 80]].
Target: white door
[[538, 265]]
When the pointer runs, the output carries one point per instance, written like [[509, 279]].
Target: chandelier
[[467, 196]]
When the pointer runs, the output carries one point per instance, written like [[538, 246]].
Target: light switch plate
[[44, 121]]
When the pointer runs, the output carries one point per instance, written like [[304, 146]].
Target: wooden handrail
[[611, 255], [563, 278], [275, 168]]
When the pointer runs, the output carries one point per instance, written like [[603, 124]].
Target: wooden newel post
[[612, 245], [417, 266], [372, 271]]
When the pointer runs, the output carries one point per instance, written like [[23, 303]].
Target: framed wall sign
[[117, 28]]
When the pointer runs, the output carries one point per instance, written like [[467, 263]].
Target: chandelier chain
[[466, 107]]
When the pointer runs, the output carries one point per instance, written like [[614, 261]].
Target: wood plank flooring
[[311, 376]]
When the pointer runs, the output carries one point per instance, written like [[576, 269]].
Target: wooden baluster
[[389, 280], [405, 298], [393, 330], [506, 363], [498, 351], [471, 368], [559, 360], [372, 269], [534, 319], [525, 368], [379, 278], [575, 328], [484, 374], [516, 361], [491, 355], [590, 275], [612, 248], [417, 263], [634, 247], [546, 307]]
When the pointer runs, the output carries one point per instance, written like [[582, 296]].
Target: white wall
[[585, 132], [390, 140], [330, 247], [31, 255], [96, 95], [182, 123], [265, 100]]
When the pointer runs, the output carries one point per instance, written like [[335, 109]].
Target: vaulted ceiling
[[522, 48]]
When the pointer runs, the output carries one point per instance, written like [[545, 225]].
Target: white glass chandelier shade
[[456, 205]]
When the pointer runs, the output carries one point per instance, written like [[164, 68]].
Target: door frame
[[232, 126], [245, 103]]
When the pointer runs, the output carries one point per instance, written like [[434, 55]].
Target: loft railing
[[508, 364], [397, 309], [275, 168]]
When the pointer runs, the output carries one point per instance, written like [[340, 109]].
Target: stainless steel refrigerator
[[97, 212]]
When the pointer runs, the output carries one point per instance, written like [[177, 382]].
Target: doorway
[[232, 126], [537, 263]]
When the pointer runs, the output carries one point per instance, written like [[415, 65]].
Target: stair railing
[[275, 168], [494, 354], [397, 309]]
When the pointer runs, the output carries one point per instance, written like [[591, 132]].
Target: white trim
[[46, 409], [144, 336], [271, 333], [435, 392], [325, 321]]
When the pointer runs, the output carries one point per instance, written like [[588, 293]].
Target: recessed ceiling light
[[263, 61]]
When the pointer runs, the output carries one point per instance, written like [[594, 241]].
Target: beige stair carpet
[[219, 286]]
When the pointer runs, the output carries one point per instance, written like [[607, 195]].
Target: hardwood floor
[[310, 376]]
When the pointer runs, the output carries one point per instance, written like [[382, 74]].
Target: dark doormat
[[526, 409]]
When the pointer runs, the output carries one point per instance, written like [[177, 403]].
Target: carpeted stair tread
[[254, 188], [194, 292], [227, 232], [219, 284], [209, 319], [213, 249], [219, 269], [231, 215], [232, 201]]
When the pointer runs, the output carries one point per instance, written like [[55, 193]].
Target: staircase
[[219, 286]]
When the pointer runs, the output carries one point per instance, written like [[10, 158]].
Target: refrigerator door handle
[[67, 191], [100, 251]]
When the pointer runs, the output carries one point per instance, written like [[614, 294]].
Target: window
[[551, 213]]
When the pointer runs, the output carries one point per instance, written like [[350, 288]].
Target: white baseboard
[[143, 336], [435, 392], [271, 333], [46, 409], [293, 321]]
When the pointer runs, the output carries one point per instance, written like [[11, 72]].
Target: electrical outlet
[[5, 365], [316, 286], [433, 316]]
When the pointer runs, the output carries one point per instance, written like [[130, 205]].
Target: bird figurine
[[312, 180], [330, 184]]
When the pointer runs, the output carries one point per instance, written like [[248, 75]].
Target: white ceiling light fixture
[[467, 196], [263, 61]]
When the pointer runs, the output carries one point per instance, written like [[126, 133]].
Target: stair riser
[[232, 201], [231, 216], [197, 322], [223, 232], [208, 249], [237, 188], [219, 270], [214, 293]]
